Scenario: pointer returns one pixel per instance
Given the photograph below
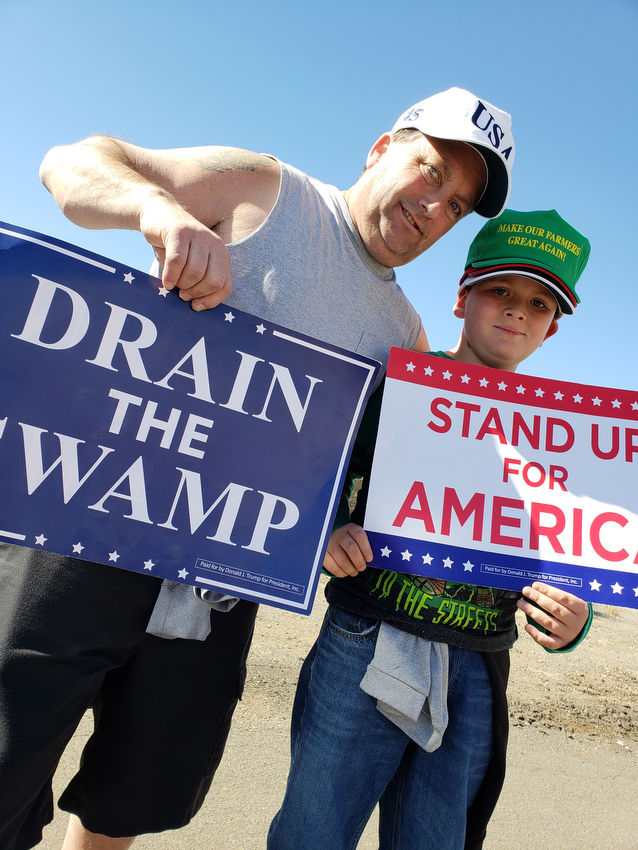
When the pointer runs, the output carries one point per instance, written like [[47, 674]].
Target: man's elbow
[[48, 167], [63, 160], [55, 174]]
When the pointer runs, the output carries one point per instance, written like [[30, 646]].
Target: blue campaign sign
[[207, 448]]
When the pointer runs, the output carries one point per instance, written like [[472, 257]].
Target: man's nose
[[432, 206]]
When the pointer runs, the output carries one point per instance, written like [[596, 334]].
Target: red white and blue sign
[[500, 479], [207, 448]]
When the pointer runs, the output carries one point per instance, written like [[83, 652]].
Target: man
[[303, 255]]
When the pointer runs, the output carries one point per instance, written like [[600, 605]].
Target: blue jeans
[[346, 756]]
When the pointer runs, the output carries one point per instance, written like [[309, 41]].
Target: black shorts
[[73, 635]]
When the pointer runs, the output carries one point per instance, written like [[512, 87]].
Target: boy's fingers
[[331, 566], [556, 595], [560, 613], [351, 553], [555, 603], [543, 618], [549, 641], [550, 615], [360, 538], [353, 541], [348, 551]]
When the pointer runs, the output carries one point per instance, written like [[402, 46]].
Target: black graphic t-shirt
[[481, 618]]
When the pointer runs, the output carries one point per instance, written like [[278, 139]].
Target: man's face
[[506, 318], [412, 193]]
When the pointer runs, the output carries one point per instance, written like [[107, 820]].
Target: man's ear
[[461, 301], [378, 149], [551, 330]]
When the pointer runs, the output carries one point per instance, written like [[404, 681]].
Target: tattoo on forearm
[[223, 161]]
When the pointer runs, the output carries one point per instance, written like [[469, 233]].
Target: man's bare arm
[[422, 343], [174, 197]]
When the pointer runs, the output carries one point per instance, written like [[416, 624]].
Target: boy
[[403, 711]]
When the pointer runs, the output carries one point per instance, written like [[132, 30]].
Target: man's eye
[[456, 208], [433, 171]]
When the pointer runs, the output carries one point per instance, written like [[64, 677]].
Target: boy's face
[[506, 319]]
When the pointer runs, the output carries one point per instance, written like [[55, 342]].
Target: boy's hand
[[563, 615], [348, 551]]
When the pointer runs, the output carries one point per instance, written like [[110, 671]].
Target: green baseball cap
[[538, 244]]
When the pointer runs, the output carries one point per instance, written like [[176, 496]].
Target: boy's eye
[[499, 290], [540, 305]]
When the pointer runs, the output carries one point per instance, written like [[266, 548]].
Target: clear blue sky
[[316, 84]]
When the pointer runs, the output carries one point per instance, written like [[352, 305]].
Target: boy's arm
[[348, 549], [557, 620]]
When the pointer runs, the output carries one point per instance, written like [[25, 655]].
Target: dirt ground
[[573, 759]]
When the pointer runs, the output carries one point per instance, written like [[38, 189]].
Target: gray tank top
[[306, 268]]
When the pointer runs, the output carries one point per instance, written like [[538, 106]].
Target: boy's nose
[[515, 310]]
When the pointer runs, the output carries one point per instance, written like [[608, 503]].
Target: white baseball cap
[[458, 115]]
